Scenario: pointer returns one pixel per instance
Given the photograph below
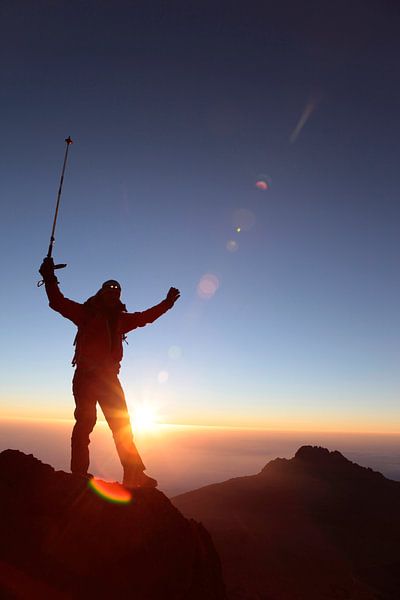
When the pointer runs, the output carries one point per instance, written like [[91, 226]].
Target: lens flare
[[305, 115], [263, 182], [163, 376], [175, 352], [232, 246], [243, 219], [262, 185], [207, 286], [111, 491]]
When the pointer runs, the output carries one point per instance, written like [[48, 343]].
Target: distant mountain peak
[[310, 527], [320, 462], [318, 454]]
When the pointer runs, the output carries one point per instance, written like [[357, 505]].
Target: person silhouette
[[102, 323]]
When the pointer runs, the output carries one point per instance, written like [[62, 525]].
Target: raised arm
[[57, 301], [130, 321]]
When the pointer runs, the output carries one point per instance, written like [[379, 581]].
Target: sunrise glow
[[145, 417]]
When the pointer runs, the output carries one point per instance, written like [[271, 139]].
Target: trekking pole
[[68, 141]]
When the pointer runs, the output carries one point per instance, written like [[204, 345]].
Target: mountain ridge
[[310, 527]]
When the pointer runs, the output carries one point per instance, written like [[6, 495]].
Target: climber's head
[[110, 292]]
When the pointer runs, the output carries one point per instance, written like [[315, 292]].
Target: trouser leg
[[113, 405], [85, 416]]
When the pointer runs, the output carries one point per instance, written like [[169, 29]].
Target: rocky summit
[[314, 527], [62, 539]]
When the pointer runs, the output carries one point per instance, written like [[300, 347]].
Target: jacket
[[100, 331]]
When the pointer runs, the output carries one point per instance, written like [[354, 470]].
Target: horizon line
[[102, 421]]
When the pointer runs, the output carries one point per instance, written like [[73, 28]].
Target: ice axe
[[68, 141]]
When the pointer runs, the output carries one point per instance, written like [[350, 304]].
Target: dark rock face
[[311, 528], [59, 540]]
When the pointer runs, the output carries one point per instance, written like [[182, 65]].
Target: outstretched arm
[[130, 321], [66, 307]]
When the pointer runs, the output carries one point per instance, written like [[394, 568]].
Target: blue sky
[[176, 111]]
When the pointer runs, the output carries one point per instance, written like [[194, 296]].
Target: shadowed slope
[[61, 540], [313, 527]]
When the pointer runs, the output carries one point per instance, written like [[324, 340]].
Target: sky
[[288, 317]]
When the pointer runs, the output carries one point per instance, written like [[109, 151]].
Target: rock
[[59, 539]]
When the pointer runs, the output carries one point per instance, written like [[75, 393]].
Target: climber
[[102, 323]]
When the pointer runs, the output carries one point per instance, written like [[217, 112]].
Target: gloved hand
[[173, 296], [47, 270]]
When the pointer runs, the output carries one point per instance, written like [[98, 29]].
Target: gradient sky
[[176, 110]]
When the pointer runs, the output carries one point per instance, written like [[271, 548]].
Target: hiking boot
[[138, 479]]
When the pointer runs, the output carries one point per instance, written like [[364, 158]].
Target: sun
[[144, 417]]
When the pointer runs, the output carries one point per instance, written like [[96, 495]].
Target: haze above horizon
[[183, 458]]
